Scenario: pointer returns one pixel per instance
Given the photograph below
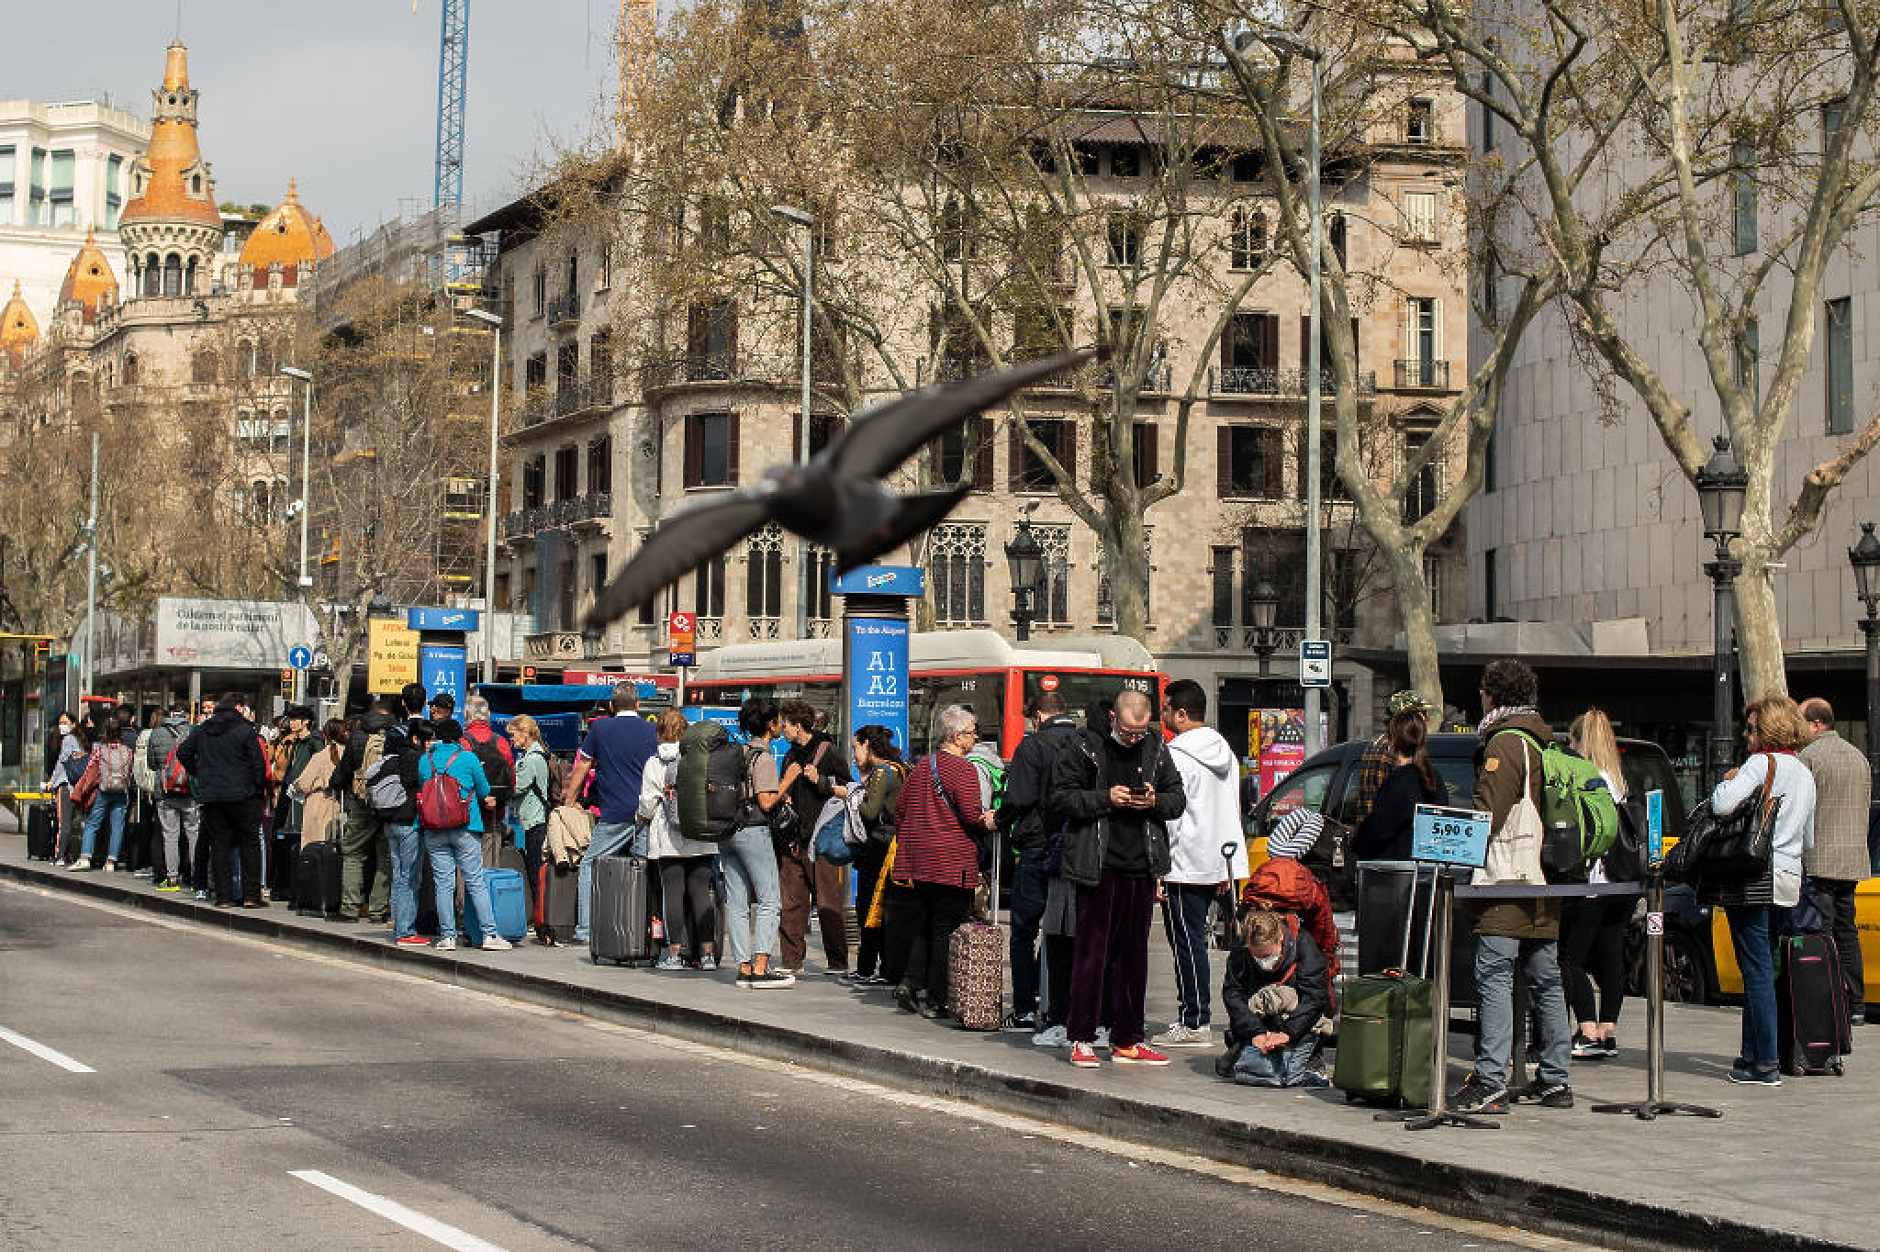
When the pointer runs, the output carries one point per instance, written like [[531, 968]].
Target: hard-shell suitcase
[[620, 916], [316, 880], [1384, 1028], [134, 848], [509, 897], [41, 837], [557, 903], [976, 966], [1813, 1026]]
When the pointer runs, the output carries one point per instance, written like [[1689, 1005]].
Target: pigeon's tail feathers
[[880, 438], [917, 511], [681, 544]]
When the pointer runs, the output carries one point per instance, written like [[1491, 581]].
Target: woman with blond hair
[[1592, 928], [1774, 729], [534, 794]]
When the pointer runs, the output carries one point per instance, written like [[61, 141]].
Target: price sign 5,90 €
[[1450, 836]]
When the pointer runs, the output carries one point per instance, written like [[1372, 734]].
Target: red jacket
[[1289, 887], [470, 732]]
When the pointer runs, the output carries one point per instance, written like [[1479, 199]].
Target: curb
[[1461, 1191]]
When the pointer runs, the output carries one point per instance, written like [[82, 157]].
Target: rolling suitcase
[[1813, 1027], [557, 904], [620, 917], [134, 848], [509, 897], [1384, 1028], [41, 838], [316, 880], [976, 966]]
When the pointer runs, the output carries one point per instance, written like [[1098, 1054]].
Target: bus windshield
[[1084, 693]]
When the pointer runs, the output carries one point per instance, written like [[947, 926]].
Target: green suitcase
[[1384, 1040]]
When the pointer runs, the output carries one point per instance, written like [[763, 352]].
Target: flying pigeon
[[836, 499]]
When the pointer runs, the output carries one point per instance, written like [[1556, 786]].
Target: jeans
[[111, 806], [1029, 884], [1835, 898], [749, 862], [1282, 1067], [177, 819], [1185, 919], [407, 855], [454, 851], [1749, 935], [1495, 957], [609, 838]]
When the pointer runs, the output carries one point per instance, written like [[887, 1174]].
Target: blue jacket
[[461, 763]]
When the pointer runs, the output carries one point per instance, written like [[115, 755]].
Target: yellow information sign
[[392, 656]]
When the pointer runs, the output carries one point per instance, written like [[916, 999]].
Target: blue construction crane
[[453, 65]]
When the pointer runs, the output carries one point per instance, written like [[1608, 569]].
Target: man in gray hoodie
[[1198, 871]]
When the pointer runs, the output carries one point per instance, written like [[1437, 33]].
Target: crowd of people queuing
[[1099, 821]]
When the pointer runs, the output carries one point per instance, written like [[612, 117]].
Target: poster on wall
[[1278, 743]]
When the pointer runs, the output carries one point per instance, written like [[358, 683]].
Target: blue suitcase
[[510, 898]]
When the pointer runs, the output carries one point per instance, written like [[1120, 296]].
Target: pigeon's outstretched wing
[[879, 439], [680, 544], [915, 512]]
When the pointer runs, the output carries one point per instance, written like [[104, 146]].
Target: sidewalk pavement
[[1784, 1168]]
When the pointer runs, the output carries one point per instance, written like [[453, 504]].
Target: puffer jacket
[[1286, 886], [224, 757]]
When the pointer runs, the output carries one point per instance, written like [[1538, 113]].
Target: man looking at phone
[[1116, 793]]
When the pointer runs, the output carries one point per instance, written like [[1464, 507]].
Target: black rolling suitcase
[[1813, 1027], [316, 880], [134, 850], [557, 903], [42, 838], [620, 918]]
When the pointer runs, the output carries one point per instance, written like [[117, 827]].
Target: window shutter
[[1269, 341], [1147, 450], [1224, 462], [1355, 358], [1015, 469], [981, 429], [1270, 446], [1228, 337], [731, 449], [694, 439]]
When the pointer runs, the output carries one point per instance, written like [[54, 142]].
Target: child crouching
[[1276, 992]]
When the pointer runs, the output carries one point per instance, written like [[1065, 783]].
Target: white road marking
[[393, 1211], [44, 1053]]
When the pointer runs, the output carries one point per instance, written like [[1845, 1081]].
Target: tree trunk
[[1763, 667], [1128, 564], [1419, 621]]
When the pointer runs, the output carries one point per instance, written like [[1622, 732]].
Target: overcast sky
[[341, 94]]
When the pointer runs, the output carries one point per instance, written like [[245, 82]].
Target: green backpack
[[1578, 812], [994, 774]]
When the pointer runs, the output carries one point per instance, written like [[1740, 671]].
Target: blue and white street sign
[[441, 619], [1654, 827], [300, 656], [875, 678], [441, 669], [1449, 836], [880, 580]]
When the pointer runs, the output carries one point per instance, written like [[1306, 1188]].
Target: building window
[[965, 451], [823, 427], [1840, 380], [1124, 232], [601, 366], [1054, 599], [955, 231], [822, 567], [1250, 354], [763, 568], [1433, 575], [1419, 216], [113, 192], [708, 588], [1125, 163], [8, 165], [1419, 123], [1247, 241], [1743, 198], [1423, 343], [956, 563], [1833, 114], [1106, 590], [1277, 557], [1028, 470], [1039, 330], [711, 450], [1145, 449], [1491, 288], [567, 462], [1335, 235], [1248, 464], [1331, 487], [538, 291], [534, 477], [1222, 572], [59, 191], [1491, 590], [1420, 494], [711, 340], [600, 465], [37, 213], [1488, 114]]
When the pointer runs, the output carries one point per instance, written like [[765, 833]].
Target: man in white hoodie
[[1198, 872]]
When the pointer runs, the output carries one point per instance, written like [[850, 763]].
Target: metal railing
[[1289, 384], [1422, 373], [565, 307]]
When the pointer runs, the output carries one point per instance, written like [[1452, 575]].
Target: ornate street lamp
[[1720, 488], [1263, 607], [1024, 561], [1865, 558]]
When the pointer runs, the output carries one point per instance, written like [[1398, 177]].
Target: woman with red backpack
[[110, 771], [451, 791]]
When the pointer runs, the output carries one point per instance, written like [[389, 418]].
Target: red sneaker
[[411, 941], [1141, 1054], [1083, 1056]]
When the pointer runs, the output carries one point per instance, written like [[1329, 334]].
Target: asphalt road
[[239, 1090]]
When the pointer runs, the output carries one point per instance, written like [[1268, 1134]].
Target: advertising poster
[[1281, 745], [391, 655]]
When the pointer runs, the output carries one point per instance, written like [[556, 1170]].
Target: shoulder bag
[[1745, 839], [786, 824]]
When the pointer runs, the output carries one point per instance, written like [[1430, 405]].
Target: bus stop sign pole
[[875, 636]]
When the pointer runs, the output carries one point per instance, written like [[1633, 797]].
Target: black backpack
[[501, 774]]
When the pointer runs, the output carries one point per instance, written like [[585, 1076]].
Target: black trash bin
[[1383, 900]]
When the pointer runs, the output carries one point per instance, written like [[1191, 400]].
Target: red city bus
[[978, 668]]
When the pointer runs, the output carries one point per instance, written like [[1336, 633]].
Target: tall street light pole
[[495, 324], [306, 489], [87, 686], [1720, 488], [808, 222], [1865, 558]]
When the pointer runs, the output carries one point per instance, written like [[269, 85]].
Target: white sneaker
[[496, 943], [79, 866], [1103, 1037], [1180, 1036], [445, 945], [1051, 1037]]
